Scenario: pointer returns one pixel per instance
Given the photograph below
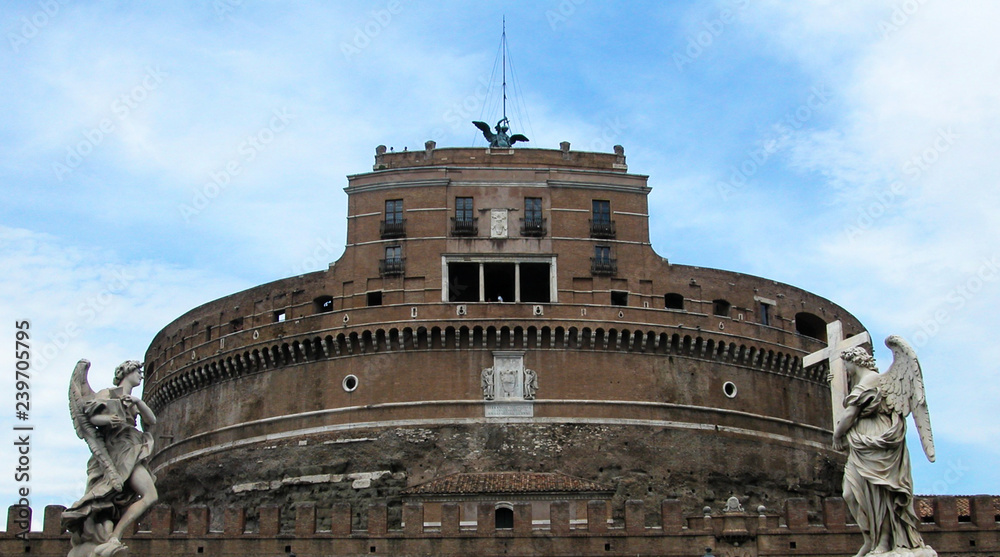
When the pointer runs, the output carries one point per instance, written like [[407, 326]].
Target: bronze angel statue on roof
[[120, 486], [500, 138], [878, 484]]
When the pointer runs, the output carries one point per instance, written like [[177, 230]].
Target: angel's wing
[[903, 389], [80, 393], [485, 128], [517, 137]]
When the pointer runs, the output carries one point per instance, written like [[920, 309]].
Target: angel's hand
[[115, 420], [829, 377], [127, 399], [838, 444]]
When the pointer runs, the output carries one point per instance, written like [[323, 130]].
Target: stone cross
[[836, 344]]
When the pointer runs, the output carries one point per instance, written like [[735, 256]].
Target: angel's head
[[859, 357], [125, 368]]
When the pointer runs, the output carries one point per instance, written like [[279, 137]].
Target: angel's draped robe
[[878, 487], [127, 447]]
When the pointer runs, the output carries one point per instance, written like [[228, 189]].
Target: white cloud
[[81, 302]]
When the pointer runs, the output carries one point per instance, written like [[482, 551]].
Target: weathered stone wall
[[653, 463]]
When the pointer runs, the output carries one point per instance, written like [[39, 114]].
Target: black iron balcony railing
[[533, 227], [393, 229], [392, 266], [464, 227], [602, 229], [602, 266]]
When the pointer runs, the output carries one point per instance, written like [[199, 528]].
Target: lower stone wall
[[362, 466], [795, 531]]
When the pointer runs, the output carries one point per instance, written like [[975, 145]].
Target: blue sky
[[848, 148]]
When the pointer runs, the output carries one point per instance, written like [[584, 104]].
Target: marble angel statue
[[120, 486], [878, 485]]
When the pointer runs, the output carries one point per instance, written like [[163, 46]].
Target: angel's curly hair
[[859, 357], [125, 368]]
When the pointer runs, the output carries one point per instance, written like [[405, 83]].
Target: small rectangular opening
[[791, 545], [323, 304], [208, 333], [375, 298], [619, 298], [279, 316], [765, 314]]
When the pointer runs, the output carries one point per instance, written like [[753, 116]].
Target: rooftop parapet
[[493, 157]]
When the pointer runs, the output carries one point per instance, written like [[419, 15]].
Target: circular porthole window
[[350, 383], [729, 389]]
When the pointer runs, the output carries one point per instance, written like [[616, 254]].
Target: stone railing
[[795, 531]]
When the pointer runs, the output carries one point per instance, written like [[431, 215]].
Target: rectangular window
[[375, 298], [601, 225], [765, 314], [533, 224], [532, 209], [602, 263], [464, 223], [279, 316], [393, 262], [602, 254], [394, 211], [394, 225], [602, 211], [463, 208]]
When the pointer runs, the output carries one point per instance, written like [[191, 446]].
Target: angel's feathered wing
[[517, 137], [485, 128], [79, 394], [903, 389]]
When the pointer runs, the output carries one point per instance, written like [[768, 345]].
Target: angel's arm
[[846, 423], [148, 417]]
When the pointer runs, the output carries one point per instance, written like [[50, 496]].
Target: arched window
[[673, 301], [504, 517], [810, 325], [721, 307]]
